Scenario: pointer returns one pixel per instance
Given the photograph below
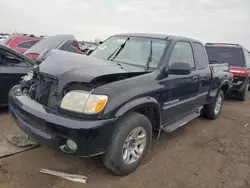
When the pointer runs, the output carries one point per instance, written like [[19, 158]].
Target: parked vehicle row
[[60, 42], [87, 48], [3, 36], [110, 102], [14, 65]]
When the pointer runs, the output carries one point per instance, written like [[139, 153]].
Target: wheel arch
[[148, 106], [224, 86]]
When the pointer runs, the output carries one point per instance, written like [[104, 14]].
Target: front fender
[[138, 103]]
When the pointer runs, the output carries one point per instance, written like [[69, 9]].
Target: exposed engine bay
[[39, 86]]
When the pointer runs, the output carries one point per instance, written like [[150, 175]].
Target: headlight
[[95, 104], [83, 102], [75, 101]]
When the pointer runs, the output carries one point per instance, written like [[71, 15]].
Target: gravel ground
[[202, 154]]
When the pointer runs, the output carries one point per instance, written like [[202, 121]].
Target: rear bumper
[[52, 130], [238, 84]]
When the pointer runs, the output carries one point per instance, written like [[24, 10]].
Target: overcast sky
[[206, 20]]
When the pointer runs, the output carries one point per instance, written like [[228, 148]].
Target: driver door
[[181, 91]]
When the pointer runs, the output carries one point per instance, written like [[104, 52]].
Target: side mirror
[[180, 68]]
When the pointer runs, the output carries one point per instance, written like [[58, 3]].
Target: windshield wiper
[[117, 51], [150, 56]]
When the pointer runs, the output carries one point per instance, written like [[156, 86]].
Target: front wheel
[[212, 111], [130, 143]]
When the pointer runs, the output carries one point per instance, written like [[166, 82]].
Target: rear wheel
[[242, 95], [212, 111], [130, 143]]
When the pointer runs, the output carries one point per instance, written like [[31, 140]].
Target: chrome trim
[[171, 102], [184, 101]]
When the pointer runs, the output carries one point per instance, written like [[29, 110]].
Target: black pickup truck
[[111, 101]]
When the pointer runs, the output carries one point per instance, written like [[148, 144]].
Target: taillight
[[11, 43], [239, 71], [219, 46], [33, 56]]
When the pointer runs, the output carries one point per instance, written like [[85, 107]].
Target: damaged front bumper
[[49, 128]]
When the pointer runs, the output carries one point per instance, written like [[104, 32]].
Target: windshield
[[137, 51], [230, 55]]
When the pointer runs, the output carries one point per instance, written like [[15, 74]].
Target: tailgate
[[220, 67], [221, 71]]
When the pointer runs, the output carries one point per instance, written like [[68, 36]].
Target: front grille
[[44, 87]]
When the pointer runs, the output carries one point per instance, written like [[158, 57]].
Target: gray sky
[[206, 20]]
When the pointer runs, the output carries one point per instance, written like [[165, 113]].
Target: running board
[[172, 126]]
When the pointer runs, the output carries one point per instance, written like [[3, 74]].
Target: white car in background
[[3, 36]]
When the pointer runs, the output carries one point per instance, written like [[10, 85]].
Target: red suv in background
[[21, 43], [238, 59]]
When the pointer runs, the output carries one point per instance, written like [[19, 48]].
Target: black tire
[[209, 110], [113, 159], [242, 95]]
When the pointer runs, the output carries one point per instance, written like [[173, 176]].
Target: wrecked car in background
[[21, 43], [60, 42], [13, 66], [111, 101], [88, 47]]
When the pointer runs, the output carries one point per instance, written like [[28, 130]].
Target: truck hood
[[72, 67]]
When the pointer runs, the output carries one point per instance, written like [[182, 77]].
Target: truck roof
[[156, 35]]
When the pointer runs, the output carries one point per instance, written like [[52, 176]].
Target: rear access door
[[205, 75]]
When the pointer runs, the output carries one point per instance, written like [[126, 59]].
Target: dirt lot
[[204, 153]]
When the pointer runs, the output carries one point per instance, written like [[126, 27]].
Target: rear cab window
[[225, 54]]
